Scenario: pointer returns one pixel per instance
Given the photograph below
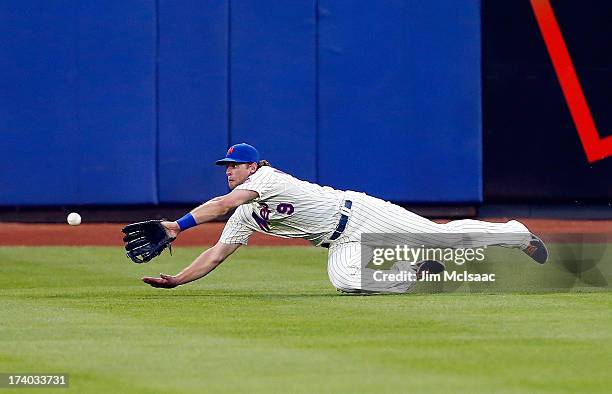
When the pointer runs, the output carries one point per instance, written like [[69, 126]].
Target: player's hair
[[263, 163]]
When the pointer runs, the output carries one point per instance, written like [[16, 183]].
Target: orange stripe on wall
[[595, 147]]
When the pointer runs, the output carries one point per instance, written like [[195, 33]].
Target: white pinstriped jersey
[[286, 207], [291, 208]]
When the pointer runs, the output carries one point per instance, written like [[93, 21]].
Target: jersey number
[[264, 214], [285, 208]]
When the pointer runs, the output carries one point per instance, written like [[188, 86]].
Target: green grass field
[[269, 321]]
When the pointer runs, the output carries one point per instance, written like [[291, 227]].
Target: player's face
[[238, 173]]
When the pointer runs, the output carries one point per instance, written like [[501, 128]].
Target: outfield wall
[[130, 102], [78, 107]]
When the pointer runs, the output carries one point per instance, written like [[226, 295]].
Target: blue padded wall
[[400, 99], [77, 103], [117, 102], [38, 99], [273, 81], [193, 114], [108, 103]]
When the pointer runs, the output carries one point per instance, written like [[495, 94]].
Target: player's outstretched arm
[[220, 206], [201, 266], [210, 210]]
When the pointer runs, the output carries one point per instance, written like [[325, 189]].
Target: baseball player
[[270, 201]]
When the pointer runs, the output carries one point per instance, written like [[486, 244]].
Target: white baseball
[[74, 219]]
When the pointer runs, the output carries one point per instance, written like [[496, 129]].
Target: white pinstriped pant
[[372, 215]]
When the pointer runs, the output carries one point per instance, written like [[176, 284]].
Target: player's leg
[[372, 215], [348, 274]]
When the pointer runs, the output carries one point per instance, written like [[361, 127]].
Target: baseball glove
[[146, 240]]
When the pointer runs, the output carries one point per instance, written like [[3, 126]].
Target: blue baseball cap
[[240, 153]]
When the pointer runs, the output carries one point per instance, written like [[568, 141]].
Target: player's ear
[[252, 168]]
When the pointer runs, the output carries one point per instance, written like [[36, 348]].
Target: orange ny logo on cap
[[230, 150]]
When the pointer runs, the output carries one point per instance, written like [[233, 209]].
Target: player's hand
[[172, 229], [164, 281]]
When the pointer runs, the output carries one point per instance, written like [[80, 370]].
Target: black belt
[[341, 224]]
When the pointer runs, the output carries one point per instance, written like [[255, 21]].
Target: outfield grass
[[269, 321]]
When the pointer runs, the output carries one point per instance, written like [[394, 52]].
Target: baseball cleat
[[536, 250], [429, 267]]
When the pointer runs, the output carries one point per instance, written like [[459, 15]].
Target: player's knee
[[344, 286], [352, 291]]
